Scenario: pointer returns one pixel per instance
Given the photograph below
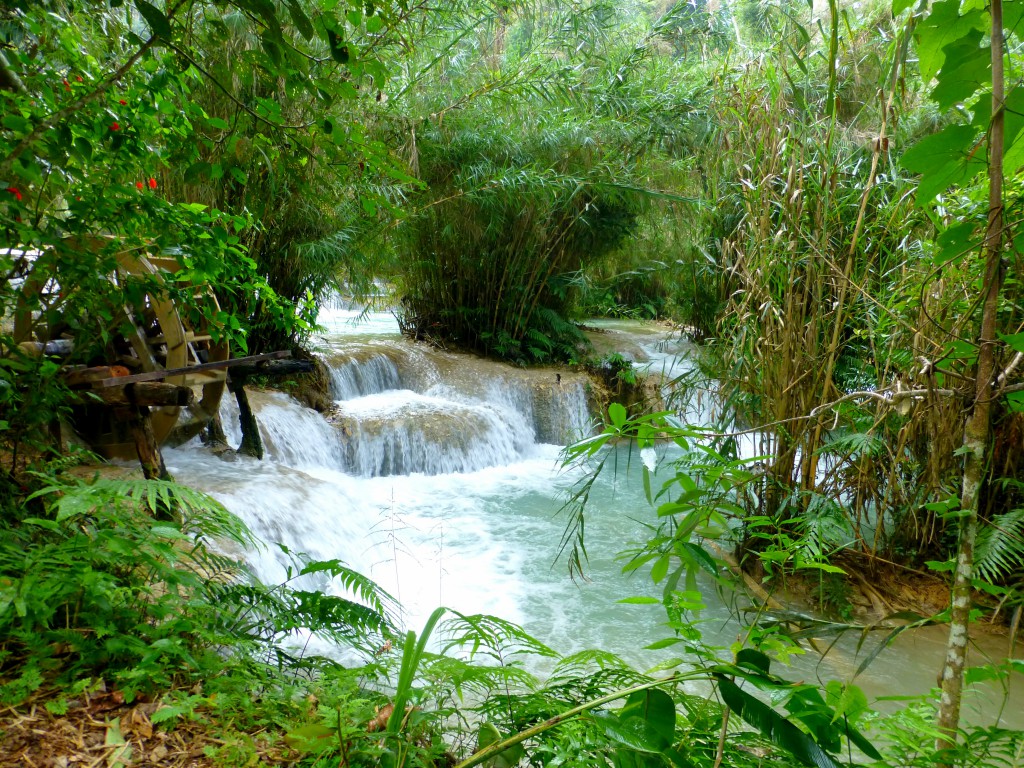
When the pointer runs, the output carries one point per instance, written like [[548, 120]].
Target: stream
[[440, 478]]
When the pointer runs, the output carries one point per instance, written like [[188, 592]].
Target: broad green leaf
[[156, 19], [899, 6], [617, 414], [640, 600], [267, 11], [487, 734], [660, 569], [633, 733], [1015, 401], [1014, 340], [665, 642], [1013, 15], [339, 50], [942, 27], [17, 123], [49, 525], [657, 710], [753, 659], [955, 242], [846, 699], [697, 555], [311, 738], [966, 70], [1013, 131], [954, 155], [300, 19]]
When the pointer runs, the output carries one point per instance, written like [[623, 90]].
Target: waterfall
[[437, 475], [293, 435], [352, 376], [402, 432]]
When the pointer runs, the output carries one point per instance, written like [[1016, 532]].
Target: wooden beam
[[272, 368], [252, 442]]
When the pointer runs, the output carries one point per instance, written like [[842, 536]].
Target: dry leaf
[[380, 720], [104, 702], [158, 753]]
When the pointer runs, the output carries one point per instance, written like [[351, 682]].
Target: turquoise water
[[440, 476]]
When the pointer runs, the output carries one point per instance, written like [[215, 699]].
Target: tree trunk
[[978, 428]]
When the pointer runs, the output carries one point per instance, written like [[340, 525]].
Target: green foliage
[[99, 581], [505, 217], [1000, 548], [833, 596], [95, 582]]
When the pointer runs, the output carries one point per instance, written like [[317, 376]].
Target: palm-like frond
[[999, 552]]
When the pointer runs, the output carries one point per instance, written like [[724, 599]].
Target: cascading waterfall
[[410, 478], [292, 435], [356, 376], [402, 432], [438, 476]]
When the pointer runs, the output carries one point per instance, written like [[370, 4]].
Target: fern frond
[[500, 639], [1000, 548]]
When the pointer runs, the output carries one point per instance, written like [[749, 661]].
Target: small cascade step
[[400, 432]]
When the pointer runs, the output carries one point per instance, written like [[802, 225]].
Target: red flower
[[139, 185], [115, 126], [152, 183], [14, 191], [122, 102], [67, 85], [78, 78]]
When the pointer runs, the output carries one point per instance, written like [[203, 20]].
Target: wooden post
[[214, 436], [140, 426], [252, 443]]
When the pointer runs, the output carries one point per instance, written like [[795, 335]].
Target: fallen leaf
[[158, 753], [121, 755], [380, 720]]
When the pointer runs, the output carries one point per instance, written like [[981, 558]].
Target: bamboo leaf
[[771, 724]]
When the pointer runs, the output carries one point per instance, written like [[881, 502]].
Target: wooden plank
[[189, 338], [220, 365], [273, 368]]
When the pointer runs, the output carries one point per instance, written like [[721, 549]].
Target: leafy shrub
[[102, 580]]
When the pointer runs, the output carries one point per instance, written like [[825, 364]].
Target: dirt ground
[[101, 730]]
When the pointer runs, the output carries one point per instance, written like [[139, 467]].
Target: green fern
[[999, 552], [855, 444]]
